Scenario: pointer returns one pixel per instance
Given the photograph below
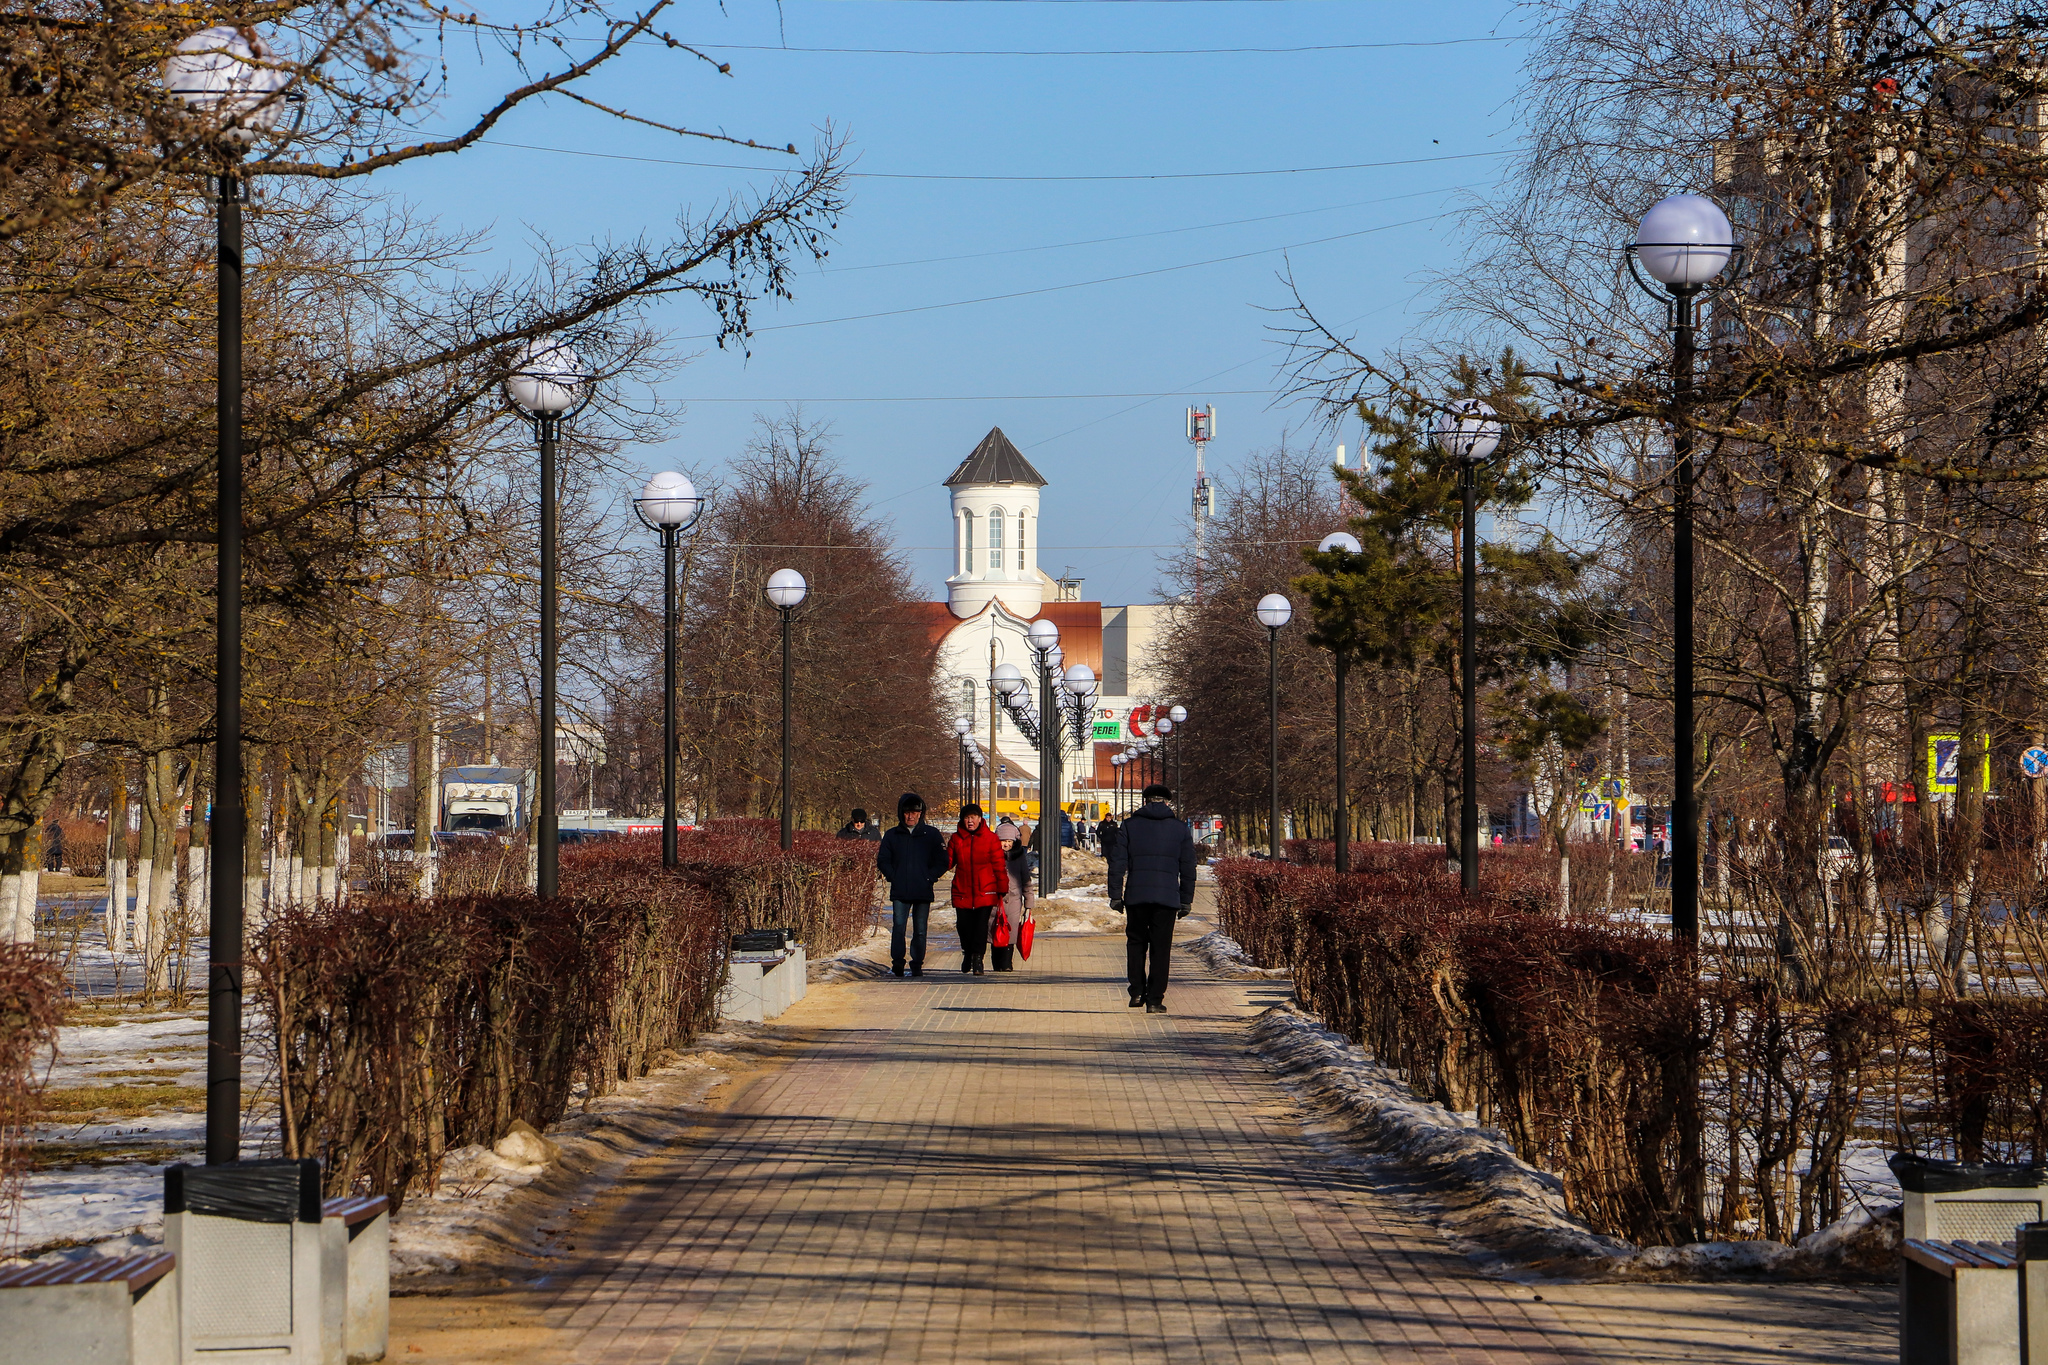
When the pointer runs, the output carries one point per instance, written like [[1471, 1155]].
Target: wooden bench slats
[[139, 1271], [1947, 1258], [359, 1208]]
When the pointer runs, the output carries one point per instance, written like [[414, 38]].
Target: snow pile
[[1079, 910], [1225, 956]]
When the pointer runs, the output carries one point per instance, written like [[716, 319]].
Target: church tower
[[995, 530]]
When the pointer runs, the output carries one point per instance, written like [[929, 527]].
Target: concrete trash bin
[[1968, 1201], [257, 1280], [359, 1229], [99, 1311]]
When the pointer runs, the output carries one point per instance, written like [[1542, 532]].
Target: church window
[[967, 542], [1020, 540], [995, 538]]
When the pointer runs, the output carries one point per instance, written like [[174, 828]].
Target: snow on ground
[[1224, 956]]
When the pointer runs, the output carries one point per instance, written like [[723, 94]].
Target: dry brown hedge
[[31, 1005]]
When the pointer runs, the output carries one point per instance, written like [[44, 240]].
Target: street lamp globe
[[1275, 610], [669, 502], [786, 588], [1044, 634], [1468, 431], [547, 380], [1007, 679], [1079, 680], [1178, 715], [1054, 658], [1164, 726], [1684, 240], [962, 726], [229, 77], [1339, 540]]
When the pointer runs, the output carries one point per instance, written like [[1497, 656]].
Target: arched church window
[[1022, 563], [995, 537], [967, 542]]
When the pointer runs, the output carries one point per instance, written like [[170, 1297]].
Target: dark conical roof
[[996, 460]]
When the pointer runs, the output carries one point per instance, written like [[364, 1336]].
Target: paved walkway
[[1019, 1168]]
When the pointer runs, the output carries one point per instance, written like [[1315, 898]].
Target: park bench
[[766, 973], [93, 1311], [358, 1230]]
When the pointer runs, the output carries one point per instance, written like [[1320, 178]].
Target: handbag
[[1024, 935], [1001, 937]]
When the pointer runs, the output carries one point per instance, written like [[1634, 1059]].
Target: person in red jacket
[[980, 881]]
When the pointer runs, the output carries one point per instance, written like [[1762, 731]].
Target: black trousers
[[973, 934], [1148, 929]]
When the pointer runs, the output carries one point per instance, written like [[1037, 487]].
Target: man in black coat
[[911, 859], [1152, 881], [858, 827]]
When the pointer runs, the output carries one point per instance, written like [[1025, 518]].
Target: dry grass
[[121, 1101]]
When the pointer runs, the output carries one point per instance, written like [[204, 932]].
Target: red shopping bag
[[1001, 938], [1024, 936]]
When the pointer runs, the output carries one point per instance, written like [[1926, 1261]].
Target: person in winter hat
[[1152, 881], [1020, 864], [911, 859], [980, 880], [858, 827]]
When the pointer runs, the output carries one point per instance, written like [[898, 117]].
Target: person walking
[[1105, 835], [1021, 866], [980, 879], [857, 826], [911, 859], [1152, 881]]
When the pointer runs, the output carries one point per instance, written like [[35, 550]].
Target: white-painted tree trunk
[[117, 904], [196, 891], [25, 905], [10, 901]]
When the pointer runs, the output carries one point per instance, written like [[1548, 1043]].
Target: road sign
[[1944, 755], [2034, 762]]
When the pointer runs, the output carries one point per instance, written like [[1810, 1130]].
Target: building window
[[967, 542], [1021, 564], [995, 538]]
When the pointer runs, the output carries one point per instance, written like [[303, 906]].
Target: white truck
[[497, 800]]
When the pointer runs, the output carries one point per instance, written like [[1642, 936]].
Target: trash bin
[[255, 1275], [1968, 1201]]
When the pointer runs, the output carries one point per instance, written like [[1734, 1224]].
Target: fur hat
[[1006, 830]]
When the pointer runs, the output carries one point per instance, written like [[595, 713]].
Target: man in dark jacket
[[857, 827], [1152, 881], [1105, 835], [911, 859]]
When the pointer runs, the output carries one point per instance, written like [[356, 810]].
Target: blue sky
[[1119, 467]]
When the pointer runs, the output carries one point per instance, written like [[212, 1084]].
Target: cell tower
[[1202, 430]]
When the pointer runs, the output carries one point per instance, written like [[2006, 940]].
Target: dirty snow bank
[[1505, 1213], [1225, 956]]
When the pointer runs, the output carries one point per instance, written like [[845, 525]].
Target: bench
[[358, 1231], [96, 1311], [760, 985]]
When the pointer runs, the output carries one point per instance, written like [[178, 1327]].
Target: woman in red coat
[[981, 879]]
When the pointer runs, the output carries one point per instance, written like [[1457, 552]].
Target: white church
[[994, 593]]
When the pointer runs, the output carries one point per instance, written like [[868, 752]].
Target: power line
[[1106, 51], [1004, 179], [1082, 284], [1137, 236], [986, 397]]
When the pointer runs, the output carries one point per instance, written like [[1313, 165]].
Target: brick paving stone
[[1019, 1168]]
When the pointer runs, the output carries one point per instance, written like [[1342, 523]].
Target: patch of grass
[[166, 1072], [125, 1101], [50, 1156]]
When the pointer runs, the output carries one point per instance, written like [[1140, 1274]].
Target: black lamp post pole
[[1685, 834], [1343, 785], [1273, 739], [1468, 668], [230, 823], [668, 697], [788, 815], [550, 816]]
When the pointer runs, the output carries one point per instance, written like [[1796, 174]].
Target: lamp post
[[962, 727], [1469, 434], [218, 74], [786, 590], [1116, 767], [669, 505], [1684, 242], [1273, 611], [547, 386], [1179, 716], [1347, 543], [1045, 640]]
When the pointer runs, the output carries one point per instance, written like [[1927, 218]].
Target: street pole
[[1468, 804], [1343, 787], [669, 856], [1685, 835], [230, 824], [1273, 739], [788, 815], [550, 818]]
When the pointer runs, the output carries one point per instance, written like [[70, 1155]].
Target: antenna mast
[[1201, 430]]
